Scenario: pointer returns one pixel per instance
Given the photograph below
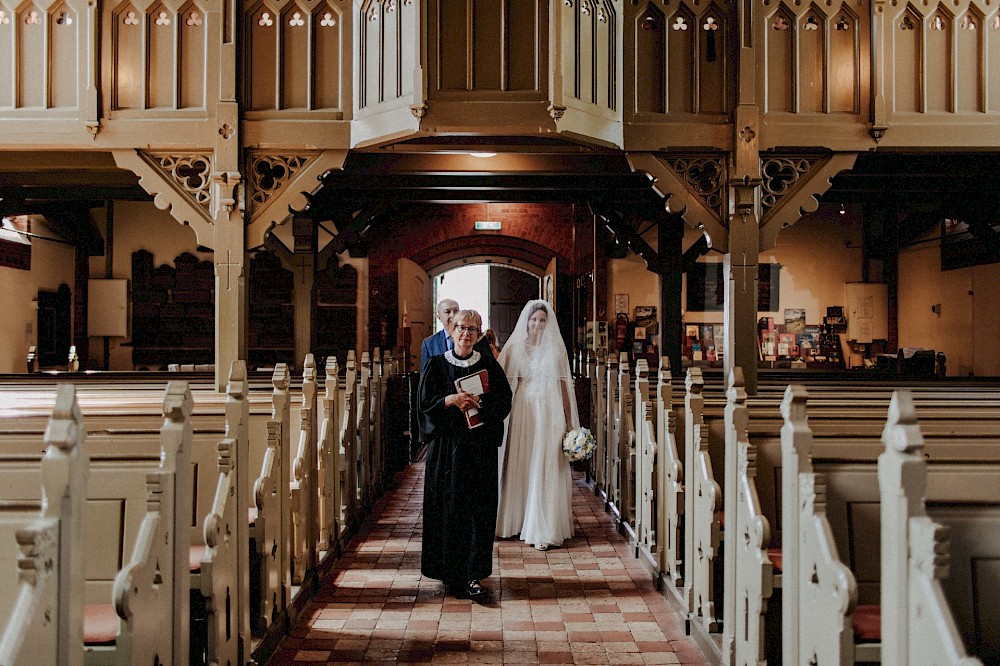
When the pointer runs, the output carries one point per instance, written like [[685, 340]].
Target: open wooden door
[[549, 284], [416, 309]]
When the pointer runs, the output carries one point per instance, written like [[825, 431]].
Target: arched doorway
[[496, 290]]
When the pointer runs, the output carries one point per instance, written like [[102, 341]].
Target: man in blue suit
[[440, 342]]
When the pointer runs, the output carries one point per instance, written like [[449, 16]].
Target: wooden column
[[230, 245], [304, 270], [670, 237]]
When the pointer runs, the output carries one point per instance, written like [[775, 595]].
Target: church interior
[[770, 234]]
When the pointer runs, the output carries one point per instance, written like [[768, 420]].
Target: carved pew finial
[[902, 431], [694, 382]]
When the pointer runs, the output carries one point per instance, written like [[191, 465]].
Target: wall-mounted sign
[[482, 225]]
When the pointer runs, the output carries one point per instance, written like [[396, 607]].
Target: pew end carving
[[271, 528]]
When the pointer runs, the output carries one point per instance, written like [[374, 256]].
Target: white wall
[[967, 328], [818, 256], [52, 264]]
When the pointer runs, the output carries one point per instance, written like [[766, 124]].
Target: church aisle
[[590, 602]]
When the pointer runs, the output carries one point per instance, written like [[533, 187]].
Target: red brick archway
[[440, 236]]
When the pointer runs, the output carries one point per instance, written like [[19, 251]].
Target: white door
[[549, 284], [416, 309]]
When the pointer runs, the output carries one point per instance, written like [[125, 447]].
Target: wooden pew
[[271, 529], [42, 607], [329, 459], [136, 512], [303, 481], [704, 521], [670, 489], [224, 575], [919, 625], [816, 584], [832, 498], [970, 432], [134, 408], [151, 592], [349, 446], [644, 490]]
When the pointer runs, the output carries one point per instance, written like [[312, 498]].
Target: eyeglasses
[[466, 329]]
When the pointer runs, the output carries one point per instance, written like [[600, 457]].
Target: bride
[[537, 484]]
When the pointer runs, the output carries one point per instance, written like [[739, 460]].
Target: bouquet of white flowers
[[578, 444]]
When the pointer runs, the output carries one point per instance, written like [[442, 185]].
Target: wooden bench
[[832, 502], [133, 514], [127, 415], [663, 511], [932, 594], [41, 607]]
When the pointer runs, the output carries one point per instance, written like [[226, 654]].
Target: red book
[[478, 383]]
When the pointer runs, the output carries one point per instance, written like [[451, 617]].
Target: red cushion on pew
[[100, 624], [252, 515], [775, 555], [867, 623], [195, 556]]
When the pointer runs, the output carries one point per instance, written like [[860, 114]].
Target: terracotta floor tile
[[586, 602]]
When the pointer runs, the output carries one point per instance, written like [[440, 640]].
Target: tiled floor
[[589, 602]]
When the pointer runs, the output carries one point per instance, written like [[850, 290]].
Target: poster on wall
[[795, 320], [706, 287]]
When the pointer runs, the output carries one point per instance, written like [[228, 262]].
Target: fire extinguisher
[[621, 331]]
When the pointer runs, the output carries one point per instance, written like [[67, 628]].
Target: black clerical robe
[[460, 477]]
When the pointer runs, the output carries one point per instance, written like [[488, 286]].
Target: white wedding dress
[[536, 485]]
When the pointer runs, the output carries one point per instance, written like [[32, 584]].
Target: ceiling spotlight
[[483, 154], [843, 211]]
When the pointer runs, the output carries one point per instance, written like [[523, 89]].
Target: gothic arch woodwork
[[696, 210], [186, 195], [276, 186], [799, 193]]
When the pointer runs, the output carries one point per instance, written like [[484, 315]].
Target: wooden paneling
[[812, 32], [781, 65], [650, 61], [63, 36], [262, 74], [907, 56], [293, 69], [31, 56], [681, 45], [327, 27], [161, 49], [844, 68], [713, 37], [192, 49], [126, 70], [971, 64], [7, 26], [940, 63], [486, 46]]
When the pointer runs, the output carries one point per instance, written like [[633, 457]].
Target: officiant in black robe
[[461, 477]]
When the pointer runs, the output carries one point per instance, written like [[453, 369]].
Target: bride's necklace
[[461, 362]]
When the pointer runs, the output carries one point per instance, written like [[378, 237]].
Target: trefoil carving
[[270, 174], [779, 176], [191, 173], [705, 177]]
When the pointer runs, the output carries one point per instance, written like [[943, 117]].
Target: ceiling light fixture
[[483, 155], [843, 211]]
